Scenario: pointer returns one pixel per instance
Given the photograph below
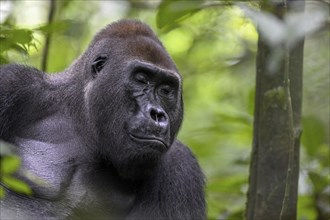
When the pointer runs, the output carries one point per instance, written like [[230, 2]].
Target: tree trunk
[[274, 167]]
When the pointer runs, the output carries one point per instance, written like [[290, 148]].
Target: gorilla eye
[[165, 90], [98, 64], [141, 78]]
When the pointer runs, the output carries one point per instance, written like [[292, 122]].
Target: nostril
[[157, 115], [153, 114]]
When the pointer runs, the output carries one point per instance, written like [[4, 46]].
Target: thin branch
[[45, 52]]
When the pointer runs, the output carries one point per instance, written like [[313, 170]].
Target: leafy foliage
[[286, 32], [9, 165], [214, 47], [11, 39], [171, 12]]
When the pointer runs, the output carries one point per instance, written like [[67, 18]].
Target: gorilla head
[[132, 96]]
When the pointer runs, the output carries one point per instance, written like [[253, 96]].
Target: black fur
[[102, 134]]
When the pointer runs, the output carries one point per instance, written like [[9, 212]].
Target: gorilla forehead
[[148, 50], [133, 40]]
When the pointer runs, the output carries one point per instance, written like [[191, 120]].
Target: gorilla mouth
[[156, 143]]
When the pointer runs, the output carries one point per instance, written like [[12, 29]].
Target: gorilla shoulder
[[21, 88], [20, 74]]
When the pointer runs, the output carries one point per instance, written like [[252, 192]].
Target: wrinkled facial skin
[[154, 93], [135, 102]]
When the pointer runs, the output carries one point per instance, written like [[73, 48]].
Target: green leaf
[[15, 39], [2, 192], [55, 26], [313, 134], [16, 185], [20, 49], [21, 36], [172, 11], [9, 164]]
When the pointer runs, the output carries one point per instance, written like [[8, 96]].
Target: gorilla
[[101, 135]]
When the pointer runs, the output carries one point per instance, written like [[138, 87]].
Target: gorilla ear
[[98, 64]]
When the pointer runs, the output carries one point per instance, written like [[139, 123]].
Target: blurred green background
[[214, 47]]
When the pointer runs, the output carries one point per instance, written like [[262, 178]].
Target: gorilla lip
[[150, 139]]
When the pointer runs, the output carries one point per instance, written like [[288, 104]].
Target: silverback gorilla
[[102, 134]]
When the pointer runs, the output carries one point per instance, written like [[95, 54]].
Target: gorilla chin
[[154, 143]]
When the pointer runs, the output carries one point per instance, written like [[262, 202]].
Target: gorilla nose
[[159, 116]]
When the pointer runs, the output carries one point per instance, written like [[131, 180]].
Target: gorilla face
[[154, 94], [134, 103]]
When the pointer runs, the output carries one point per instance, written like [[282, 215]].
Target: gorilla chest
[[48, 148], [51, 150], [100, 194]]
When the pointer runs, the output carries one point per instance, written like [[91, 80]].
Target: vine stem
[[45, 52]]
